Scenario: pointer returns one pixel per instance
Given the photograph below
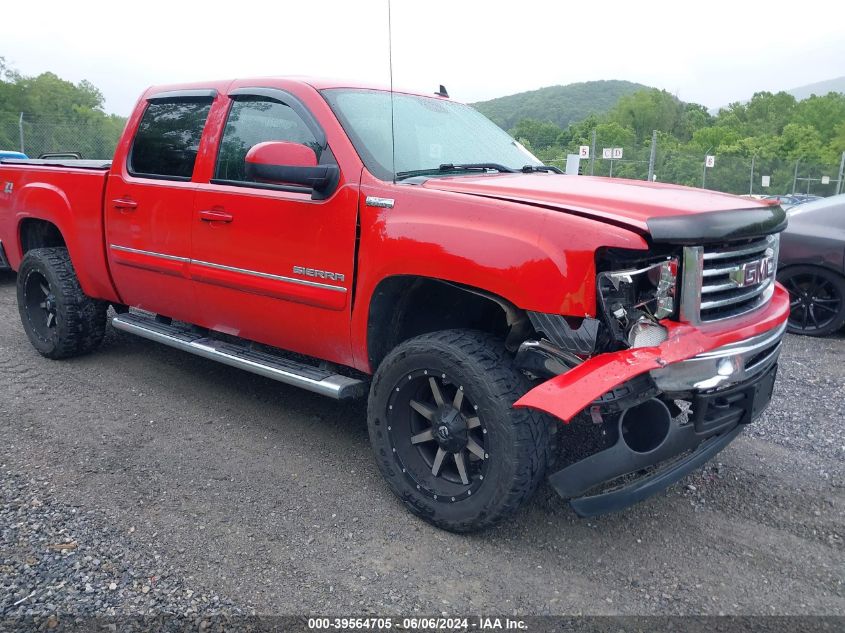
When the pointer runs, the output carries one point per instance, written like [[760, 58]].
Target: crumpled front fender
[[565, 395]]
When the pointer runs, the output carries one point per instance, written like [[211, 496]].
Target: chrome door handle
[[210, 215], [124, 204]]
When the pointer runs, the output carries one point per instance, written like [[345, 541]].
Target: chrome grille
[[721, 281]]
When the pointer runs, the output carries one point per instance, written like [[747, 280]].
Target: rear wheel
[[817, 300], [59, 319], [444, 432]]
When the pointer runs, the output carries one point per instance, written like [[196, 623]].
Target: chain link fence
[[753, 175], [92, 137]]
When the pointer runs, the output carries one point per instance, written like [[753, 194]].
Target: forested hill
[[560, 105], [820, 88]]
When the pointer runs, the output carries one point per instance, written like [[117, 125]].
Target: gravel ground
[[193, 488], [58, 558]]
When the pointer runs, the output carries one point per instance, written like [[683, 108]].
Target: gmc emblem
[[753, 273]]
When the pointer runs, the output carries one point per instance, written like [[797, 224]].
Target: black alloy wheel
[[816, 300], [40, 304], [445, 434], [437, 435]]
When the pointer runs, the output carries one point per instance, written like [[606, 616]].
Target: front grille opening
[[725, 292]]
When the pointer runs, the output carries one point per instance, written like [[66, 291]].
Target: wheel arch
[[822, 265], [35, 232], [44, 219], [404, 306]]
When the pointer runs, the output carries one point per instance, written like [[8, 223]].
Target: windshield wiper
[[527, 169], [450, 167]]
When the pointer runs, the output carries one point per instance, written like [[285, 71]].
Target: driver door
[[270, 263]]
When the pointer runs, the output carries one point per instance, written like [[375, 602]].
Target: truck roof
[[318, 83]]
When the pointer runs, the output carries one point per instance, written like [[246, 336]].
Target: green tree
[[765, 113], [822, 113], [693, 118], [540, 135], [59, 116], [801, 141], [648, 110], [714, 138]]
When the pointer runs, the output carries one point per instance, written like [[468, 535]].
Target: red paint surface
[[281, 153], [565, 395], [630, 202]]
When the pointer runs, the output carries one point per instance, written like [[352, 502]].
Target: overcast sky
[[711, 52]]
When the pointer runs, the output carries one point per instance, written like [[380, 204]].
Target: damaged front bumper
[[727, 373]]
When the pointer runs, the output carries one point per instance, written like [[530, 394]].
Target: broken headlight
[[634, 300]]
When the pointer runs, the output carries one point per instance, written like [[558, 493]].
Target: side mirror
[[285, 163]]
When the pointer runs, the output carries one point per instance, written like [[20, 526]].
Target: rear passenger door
[[149, 206], [271, 263]]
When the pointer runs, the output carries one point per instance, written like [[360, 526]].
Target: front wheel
[[444, 432]]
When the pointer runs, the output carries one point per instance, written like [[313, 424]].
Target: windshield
[[429, 133]]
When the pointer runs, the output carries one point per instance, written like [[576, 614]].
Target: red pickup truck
[[353, 241]]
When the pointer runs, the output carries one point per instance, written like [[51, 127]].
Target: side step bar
[[272, 366]]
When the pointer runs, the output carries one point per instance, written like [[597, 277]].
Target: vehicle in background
[[812, 266], [11, 154], [60, 156], [788, 201]]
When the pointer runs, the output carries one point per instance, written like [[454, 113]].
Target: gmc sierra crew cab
[[355, 241]]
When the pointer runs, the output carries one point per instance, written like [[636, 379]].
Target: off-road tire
[[80, 321], [517, 439]]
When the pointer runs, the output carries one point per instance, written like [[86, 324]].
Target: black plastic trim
[[288, 99], [322, 179], [4, 261], [201, 93], [138, 174], [578, 341], [641, 489], [260, 185], [717, 226], [95, 165]]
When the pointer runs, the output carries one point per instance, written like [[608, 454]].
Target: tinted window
[[168, 138], [255, 120]]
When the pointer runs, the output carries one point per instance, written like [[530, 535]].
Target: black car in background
[[812, 266]]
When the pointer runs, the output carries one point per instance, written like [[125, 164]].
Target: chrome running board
[[279, 368]]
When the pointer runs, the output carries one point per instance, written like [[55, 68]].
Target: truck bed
[[68, 194]]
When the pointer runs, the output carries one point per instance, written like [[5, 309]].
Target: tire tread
[[84, 318], [485, 356]]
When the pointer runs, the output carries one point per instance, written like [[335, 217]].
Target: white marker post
[[709, 161], [611, 154]]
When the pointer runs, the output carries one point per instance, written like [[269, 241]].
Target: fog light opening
[[646, 426]]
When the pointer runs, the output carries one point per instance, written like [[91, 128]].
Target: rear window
[[168, 138]]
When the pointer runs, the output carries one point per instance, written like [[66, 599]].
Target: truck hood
[[666, 212]]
